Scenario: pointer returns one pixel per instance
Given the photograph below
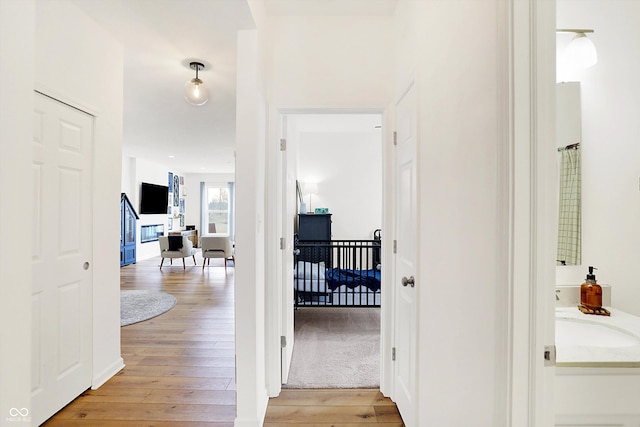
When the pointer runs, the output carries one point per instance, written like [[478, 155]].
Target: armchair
[[216, 247], [172, 247]]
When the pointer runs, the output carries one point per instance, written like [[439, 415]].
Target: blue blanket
[[336, 277]]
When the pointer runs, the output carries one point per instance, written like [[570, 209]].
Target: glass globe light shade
[[195, 92], [582, 52]]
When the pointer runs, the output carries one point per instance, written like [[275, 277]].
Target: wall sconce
[[580, 51], [195, 92]]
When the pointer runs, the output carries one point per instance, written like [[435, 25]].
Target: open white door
[[405, 281], [62, 229], [288, 217]]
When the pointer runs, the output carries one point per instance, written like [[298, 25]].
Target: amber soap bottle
[[591, 292]]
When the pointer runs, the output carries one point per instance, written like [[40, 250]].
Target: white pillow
[[309, 270]]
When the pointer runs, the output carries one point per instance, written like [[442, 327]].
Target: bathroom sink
[[578, 332]]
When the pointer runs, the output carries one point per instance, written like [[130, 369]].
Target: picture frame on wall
[[170, 181], [170, 224], [176, 190], [181, 220], [181, 205]]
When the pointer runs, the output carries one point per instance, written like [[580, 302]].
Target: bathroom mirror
[[568, 137]]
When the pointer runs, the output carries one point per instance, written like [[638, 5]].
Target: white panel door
[[405, 281], [288, 218], [61, 288]]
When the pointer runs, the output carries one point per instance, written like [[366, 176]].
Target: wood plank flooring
[[180, 366], [338, 408]]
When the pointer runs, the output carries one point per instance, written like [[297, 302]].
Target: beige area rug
[[336, 348], [139, 305]]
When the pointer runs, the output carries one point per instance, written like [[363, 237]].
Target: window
[[218, 209]]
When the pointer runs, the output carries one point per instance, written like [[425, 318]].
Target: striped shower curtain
[[570, 215]]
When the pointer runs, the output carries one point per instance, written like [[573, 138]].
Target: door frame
[[287, 203], [275, 295], [529, 189]]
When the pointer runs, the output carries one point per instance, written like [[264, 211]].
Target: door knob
[[409, 281]]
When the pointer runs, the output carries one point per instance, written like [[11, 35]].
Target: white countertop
[[590, 354]]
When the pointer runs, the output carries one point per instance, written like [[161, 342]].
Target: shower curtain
[[570, 214]]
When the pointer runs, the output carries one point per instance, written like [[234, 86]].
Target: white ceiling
[[160, 38]]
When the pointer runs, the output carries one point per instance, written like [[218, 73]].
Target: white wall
[[337, 62], [252, 395], [57, 47], [451, 48], [73, 54], [610, 149], [137, 171], [128, 180], [347, 167], [457, 178], [16, 126]]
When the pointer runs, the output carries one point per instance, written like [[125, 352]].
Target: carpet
[[136, 306], [336, 348]]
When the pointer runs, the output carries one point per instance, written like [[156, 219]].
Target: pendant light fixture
[[580, 51], [195, 91]]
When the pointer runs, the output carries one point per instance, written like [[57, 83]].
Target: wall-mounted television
[[154, 199]]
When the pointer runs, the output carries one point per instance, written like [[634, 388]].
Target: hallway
[[180, 366]]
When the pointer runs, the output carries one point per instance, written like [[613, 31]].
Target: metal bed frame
[[338, 273]]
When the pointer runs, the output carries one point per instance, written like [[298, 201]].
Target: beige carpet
[[336, 348]]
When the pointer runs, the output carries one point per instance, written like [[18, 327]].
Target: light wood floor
[[336, 408], [180, 366]]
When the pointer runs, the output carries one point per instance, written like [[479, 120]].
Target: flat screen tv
[[154, 199]]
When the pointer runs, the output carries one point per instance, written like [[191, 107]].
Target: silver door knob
[[409, 281]]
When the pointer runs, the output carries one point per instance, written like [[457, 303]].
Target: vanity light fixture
[[195, 91], [581, 51]]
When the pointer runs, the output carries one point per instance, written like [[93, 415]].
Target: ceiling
[[160, 38]]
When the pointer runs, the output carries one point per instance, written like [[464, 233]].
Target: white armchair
[[174, 250], [216, 247]]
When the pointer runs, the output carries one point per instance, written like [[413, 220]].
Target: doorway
[[339, 171]]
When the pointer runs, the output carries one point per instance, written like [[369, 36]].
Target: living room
[[186, 212]]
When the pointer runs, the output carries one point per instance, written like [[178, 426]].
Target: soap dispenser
[[591, 295]]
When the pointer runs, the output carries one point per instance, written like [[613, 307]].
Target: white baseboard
[[254, 421], [246, 422], [105, 375]]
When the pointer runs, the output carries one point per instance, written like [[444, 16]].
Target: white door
[[288, 218], [405, 280], [62, 226]]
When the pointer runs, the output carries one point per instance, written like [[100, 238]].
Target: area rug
[[136, 306], [336, 348]]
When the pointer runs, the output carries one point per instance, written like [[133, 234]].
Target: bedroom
[[339, 167]]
